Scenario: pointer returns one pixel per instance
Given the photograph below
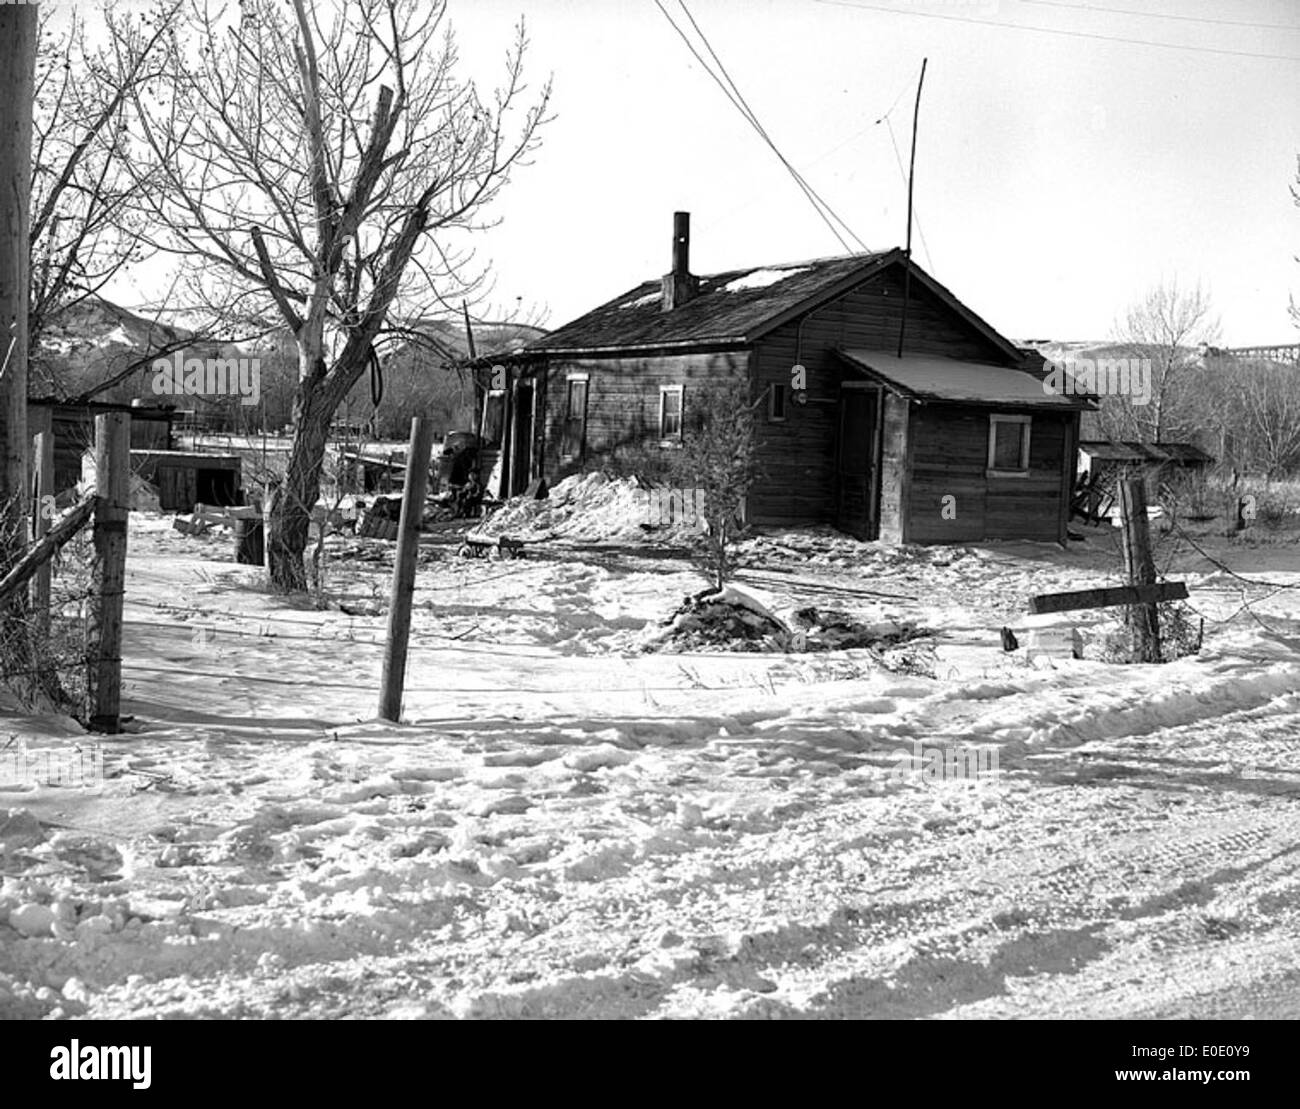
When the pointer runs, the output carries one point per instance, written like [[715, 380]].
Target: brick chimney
[[680, 285]]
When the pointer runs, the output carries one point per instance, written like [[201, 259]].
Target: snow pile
[[593, 507]]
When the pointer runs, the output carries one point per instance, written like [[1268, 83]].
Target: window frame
[[772, 415], [672, 439], [569, 416], [1025, 424], [489, 397]]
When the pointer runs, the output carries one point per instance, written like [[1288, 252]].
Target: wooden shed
[[961, 438], [1106, 460], [184, 479], [73, 425]]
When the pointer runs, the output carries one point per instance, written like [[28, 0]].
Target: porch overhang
[[933, 378]]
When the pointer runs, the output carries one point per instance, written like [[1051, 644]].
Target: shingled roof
[[731, 307]]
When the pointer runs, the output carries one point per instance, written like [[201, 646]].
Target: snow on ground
[[568, 825]]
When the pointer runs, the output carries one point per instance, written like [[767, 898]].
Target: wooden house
[[959, 439]]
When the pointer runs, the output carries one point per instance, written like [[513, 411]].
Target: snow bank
[[592, 507]]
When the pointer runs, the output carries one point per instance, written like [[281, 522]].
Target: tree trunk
[[319, 395]]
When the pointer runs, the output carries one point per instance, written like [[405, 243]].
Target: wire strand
[[916, 215], [1059, 31], [820, 206], [1166, 15], [753, 117]]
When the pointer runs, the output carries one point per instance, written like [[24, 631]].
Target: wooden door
[[521, 439], [857, 464]]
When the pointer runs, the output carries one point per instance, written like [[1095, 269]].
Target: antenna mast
[[911, 168]]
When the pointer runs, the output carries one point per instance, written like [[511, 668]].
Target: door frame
[[521, 458], [874, 451]]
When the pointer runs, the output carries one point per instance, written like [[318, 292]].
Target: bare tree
[[1295, 197], [82, 233], [717, 457], [1257, 405], [1168, 326], [317, 164]]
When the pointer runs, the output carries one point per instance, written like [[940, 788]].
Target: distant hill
[[490, 337], [94, 339]]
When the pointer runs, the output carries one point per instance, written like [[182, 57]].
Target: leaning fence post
[[108, 571], [42, 504], [408, 543], [1140, 567]]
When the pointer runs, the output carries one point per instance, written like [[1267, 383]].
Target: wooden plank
[[43, 510], [45, 548], [1104, 598]]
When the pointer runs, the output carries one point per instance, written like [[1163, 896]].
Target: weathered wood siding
[[73, 427], [622, 400], [799, 455], [950, 458]]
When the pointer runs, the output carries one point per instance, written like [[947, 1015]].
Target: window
[[494, 417], [1008, 446], [670, 412], [574, 441], [776, 400]]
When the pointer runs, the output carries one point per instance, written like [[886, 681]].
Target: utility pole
[[18, 34]]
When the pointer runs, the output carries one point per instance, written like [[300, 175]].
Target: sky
[[1068, 158]]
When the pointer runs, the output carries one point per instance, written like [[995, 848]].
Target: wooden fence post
[[42, 503], [108, 571], [408, 544], [1140, 567]]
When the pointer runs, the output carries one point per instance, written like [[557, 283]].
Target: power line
[[833, 150], [1056, 31], [822, 208], [1166, 15], [743, 107]]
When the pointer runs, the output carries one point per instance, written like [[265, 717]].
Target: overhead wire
[[1166, 15], [753, 116], [1061, 31], [822, 208]]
